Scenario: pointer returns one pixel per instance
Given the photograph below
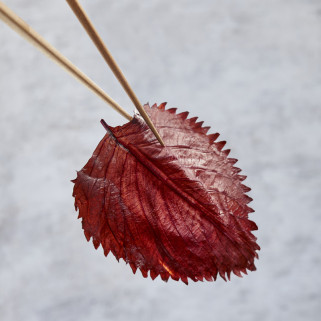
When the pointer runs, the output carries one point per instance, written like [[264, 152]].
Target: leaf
[[179, 211]]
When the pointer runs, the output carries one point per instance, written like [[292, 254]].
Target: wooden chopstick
[[16, 23], [93, 34]]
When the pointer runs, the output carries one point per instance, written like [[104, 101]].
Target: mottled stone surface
[[250, 69]]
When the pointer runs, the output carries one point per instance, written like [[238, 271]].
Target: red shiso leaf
[[178, 211]]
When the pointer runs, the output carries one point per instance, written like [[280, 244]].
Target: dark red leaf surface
[[178, 211]]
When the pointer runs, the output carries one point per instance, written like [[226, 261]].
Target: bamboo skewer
[[93, 34], [21, 27]]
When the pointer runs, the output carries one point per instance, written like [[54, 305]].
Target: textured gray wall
[[251, 69]]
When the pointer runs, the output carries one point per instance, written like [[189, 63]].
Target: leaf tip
[[172, 110], [87, 235], [184, 279], [192, 120], [96, 243], [164, 276], [183, 115], [245, 188], [226, 152], [206, 129], [220, 145], [237, 272], [242, 177], [133, 266], [236, 169], [199, 124], [153, 274], [162, 106], [213, 137], [144, 272]]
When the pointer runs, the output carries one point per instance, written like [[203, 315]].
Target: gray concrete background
[[251, 69]]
